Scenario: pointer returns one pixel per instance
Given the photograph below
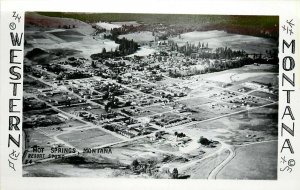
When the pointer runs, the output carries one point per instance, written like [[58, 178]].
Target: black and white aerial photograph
[[152, 96]]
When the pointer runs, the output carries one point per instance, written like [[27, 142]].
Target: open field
[[143, 51], [216, 39], [270, 71], [84, 44], [36, 137], [204, 91], [202, 169], [159, 109], [251, 126], [238, 77], [272, 79], [265, 95], [108, 26], [195, 101], [68, 35], [143, 36], [68, 170], [218, 108], [88, 138], [41, 139], [257, 161], [39, 22]]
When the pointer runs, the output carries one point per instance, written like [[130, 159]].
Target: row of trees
[[126, 47], [148, 167], [228, 53], [204, 52], [218, 65], [72, 75]]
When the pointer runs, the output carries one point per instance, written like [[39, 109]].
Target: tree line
[[126, 47]]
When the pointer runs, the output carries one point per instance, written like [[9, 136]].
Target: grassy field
[[88, 138], [144, 36], [203, 114], [202, 169], [195, 101], [204, 91], [265, 95], [66, 170], [272, 79], [252, 126], [35, 137], [258, 161], [216, 39], [158, 109]]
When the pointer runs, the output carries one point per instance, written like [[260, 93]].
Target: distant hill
[[263, 26], [46, 22]]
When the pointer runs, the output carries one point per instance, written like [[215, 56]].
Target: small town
[[148, 100]]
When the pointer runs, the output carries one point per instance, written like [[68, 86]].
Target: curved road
[[213, 174]]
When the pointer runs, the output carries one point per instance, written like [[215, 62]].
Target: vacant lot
[[191, 102], [204, 91], [257, 161], [36, 137], [88, 138], [200, 114], [159, 108]]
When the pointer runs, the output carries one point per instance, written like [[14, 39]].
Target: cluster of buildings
[[224, 95], [246, 101], [169, 120], [130, 130], [58, 97]]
